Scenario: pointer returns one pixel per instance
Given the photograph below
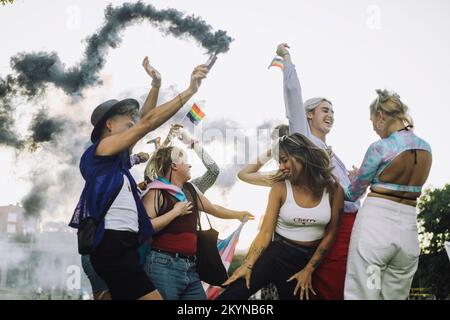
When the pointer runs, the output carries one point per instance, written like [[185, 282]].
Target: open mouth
[[328, 122]]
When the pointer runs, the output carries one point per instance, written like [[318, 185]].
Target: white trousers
[[383, 253]]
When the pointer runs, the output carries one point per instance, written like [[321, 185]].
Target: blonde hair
[[390, 104], [161, 160], [313, 103]]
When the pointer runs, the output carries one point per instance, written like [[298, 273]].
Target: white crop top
[[303, 224]]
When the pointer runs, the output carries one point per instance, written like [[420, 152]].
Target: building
[[11, 220]]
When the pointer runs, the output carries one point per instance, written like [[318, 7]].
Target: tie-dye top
[[379, 156]]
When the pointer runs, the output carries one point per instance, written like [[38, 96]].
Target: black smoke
[[44, 128], [36, 70], [33, 72]]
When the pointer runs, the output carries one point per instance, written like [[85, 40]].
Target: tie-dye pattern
[[379, 155]]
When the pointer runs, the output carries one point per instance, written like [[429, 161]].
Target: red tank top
[[180, 235]]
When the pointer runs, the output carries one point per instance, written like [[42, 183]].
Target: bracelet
[[156, 84], [181, 100]]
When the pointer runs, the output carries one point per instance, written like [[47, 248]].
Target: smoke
[[36, 70], [34, 202], [52, 146], [55, 171], [33, 72], [45, 129]]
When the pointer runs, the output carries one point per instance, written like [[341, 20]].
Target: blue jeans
[[175, 278]]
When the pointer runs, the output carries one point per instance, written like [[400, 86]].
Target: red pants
[[328, 279]]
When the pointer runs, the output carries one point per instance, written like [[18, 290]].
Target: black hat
[[104, 111]]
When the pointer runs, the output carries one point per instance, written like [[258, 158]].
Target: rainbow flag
[[156, 141], [277, 62], [226, 249], [195, 114]]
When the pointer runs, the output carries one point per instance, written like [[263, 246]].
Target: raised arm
[[250, 173], [205, 181], [152, 97], [292, 92], [304, 276], [116, 143], [263, 238]]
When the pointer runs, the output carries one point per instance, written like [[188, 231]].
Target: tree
[[434, 223], [3, 2]]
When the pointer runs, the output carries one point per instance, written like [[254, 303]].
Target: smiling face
[[180, 165], [321, 119], [289, 166]]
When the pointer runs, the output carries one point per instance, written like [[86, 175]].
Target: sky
[[343, 50]]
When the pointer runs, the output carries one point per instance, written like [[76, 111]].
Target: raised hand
[[184, 136], [197, 76], [282, 49], [143, 157], [152, 72]]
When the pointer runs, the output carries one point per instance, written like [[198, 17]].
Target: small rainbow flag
[[195, 114], [277, 62], [156, 141]]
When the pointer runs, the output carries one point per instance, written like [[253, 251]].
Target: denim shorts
[[97, 283]]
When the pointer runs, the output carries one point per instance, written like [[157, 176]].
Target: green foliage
[[434, 221], [3, 2]]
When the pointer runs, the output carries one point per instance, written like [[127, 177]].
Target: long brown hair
[[316, 174]]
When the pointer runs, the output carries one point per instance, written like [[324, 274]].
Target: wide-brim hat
[[104, 111]]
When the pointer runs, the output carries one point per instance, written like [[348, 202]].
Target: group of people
[[316, 241]]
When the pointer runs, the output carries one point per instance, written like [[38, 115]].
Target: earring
[[381, 126]]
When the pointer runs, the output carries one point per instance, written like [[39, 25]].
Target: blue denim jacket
[[103, 177]]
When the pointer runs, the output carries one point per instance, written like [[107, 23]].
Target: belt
[[176, 254], [281, 239]]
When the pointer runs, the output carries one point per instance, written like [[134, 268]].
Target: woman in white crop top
[[304, 206]]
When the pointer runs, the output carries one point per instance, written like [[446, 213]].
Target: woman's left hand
[[152, 72], [304, 282], [143, 157], [245, 215], [184, 136]]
